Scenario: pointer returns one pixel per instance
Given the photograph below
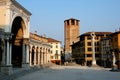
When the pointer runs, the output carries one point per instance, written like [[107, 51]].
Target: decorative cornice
[[21, 7]]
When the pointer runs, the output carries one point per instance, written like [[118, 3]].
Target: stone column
[[30, 53], [46, 55], [38, 57], [35, 56], [93, 49], [8, 54], [10, 51], [25, 53], [6, 66], [41, 59], [3, 52]]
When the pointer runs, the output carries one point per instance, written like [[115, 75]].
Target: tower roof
[[72, 19]]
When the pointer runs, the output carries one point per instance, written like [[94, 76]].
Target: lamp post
[[93, 49]]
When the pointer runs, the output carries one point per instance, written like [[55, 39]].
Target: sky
[[95, 15]]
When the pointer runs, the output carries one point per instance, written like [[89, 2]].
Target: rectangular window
[[51, 57], [96, 37], [89, 43], [96, 49], [51, 51], [89, 49], [56, 51], [116, 39], [96, 43], [89, 38], [56, 46], [89, 55]]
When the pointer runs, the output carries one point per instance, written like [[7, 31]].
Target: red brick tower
[[71, 33]]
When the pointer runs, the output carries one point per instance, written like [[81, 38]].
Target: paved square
[[72, 73]]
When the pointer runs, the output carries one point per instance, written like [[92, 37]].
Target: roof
[[96, 33], [52, 40], [37, 35], [72, 19], [115, 33]]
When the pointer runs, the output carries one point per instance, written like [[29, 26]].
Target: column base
[[26, 65], [6, 69], [94, 64], [114, 68]]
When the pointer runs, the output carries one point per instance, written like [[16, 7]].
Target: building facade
[[71, 33], [115, 38], [15, 24], [39, 50], [106, 51], [85, 48], [55, 51]]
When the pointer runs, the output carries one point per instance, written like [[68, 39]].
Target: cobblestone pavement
[[72, 73]]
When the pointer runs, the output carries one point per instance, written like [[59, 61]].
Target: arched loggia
[[17, 41]]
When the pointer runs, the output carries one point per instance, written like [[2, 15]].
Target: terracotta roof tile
[[52, 40], [96, 33]]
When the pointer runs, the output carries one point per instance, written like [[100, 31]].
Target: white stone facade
[[39, 50], [55, 51], [15, 23]]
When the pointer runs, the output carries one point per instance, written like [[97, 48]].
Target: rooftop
[[52, 40]]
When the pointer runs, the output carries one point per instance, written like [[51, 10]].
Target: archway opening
[[17, 41]]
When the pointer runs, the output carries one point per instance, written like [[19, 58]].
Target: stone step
[[18, 73]]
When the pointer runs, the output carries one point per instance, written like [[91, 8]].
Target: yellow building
[[86, 47], [116, 46]]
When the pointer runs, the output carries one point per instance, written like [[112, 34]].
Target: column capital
[[26, 41]]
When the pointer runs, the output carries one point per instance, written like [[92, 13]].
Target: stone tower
[[71, 33]]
